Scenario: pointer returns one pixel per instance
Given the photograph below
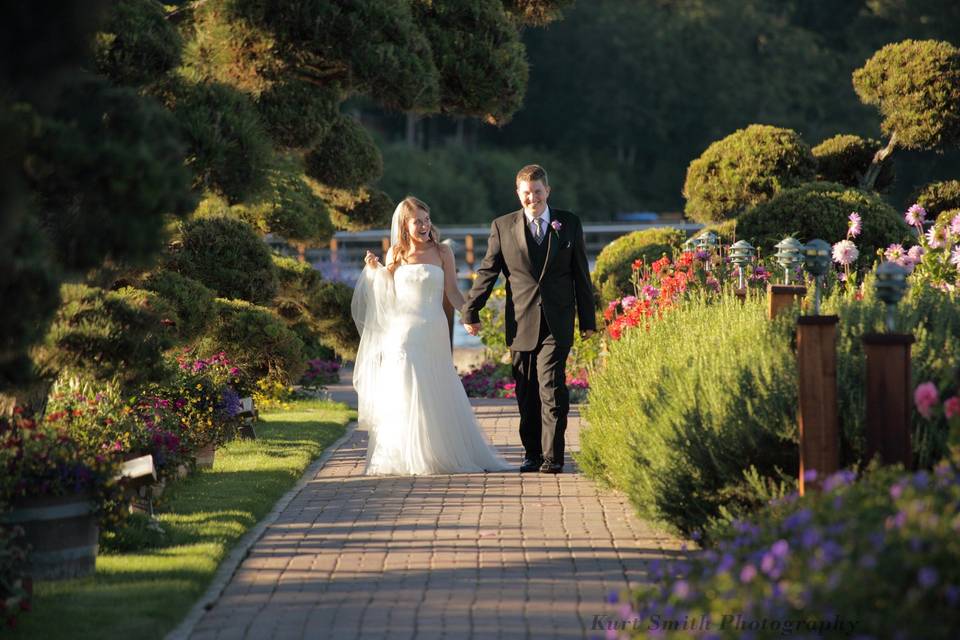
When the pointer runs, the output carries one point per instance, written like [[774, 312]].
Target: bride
[[411, 401]]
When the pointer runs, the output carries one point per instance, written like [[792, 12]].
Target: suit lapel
[[553, 245], [519, 234]]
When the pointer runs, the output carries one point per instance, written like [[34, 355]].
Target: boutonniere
[[556, 225]]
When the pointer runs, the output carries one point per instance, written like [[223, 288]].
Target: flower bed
[[876, 558]]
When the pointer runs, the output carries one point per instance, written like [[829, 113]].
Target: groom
[[541, 252]]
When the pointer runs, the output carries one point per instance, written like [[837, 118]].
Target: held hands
[[371, 260], [472, 329]]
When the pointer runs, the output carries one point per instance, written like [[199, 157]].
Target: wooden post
[[781, 296], [888, 397], [468, 246], [817, 377]]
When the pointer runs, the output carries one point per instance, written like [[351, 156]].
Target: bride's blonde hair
[[406, 211]]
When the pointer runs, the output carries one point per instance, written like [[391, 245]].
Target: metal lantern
[[706, 241], [816, 260], [788, 256], [891, 285], [741, 254]]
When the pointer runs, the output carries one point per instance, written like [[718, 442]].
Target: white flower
[[845, 252]]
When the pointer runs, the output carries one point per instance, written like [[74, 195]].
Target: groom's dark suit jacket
[[553, 276]]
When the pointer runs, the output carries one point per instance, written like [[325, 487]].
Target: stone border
[[239, 552]]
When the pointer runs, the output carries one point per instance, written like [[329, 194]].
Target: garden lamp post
[[891, 285], [788, 256], [741, 254], [707, 242], [819, 425], [816, 260], [888, 379]]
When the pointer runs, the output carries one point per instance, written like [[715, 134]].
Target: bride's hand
[[372, 260]]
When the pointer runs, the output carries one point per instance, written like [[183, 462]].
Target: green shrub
[[227, 256], [821, 210], [679, 413], [331, 311], [109, 335], [192, 302], [746, 168], [938, 197], [614, 265], [256, 340], [230, 151], [346, 158], [874, 558], [845, 159], [137, 43], [696, 417]]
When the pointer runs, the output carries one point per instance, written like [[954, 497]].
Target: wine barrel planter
[[205, 456], [61, 532]]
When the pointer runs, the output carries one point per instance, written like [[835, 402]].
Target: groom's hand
[[472, 329]]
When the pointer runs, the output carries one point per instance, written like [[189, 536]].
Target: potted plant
[[54, 488]]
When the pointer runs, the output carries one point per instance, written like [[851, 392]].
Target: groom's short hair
[[532, 172]]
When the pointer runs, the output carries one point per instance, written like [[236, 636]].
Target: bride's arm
[[450, 277]]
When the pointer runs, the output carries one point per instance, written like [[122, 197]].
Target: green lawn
[[145, 591]]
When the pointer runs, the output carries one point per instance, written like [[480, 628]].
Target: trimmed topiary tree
[[192, 302], [346, 158], [109, 335], [938, 197], [821, 210], [230, 150], [256, 340], [227, 256], [614, 265], [137, 43], [846, 158], [916, 86], [746, 168], [359, 210], [298, 114]]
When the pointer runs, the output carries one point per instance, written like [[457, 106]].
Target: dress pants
[[542, 396]]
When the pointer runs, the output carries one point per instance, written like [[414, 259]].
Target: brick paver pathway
[[500, 555]]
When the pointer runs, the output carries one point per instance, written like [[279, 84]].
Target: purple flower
[[681, 589], [915, 215], [650, 292], [556, 225], [927, 577], [915, 254], [839, 479], [854, 225], [702, 254], [613, 597], [748, 573], [780, 548], [628, 302], [810, 475], [955, 225]]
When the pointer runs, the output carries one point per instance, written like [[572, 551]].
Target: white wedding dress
[[411, 401]]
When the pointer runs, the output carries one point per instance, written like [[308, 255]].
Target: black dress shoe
[[551, 467], [530, 464]]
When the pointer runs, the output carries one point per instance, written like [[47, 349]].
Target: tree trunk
[[873, 171], [411, 130]]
